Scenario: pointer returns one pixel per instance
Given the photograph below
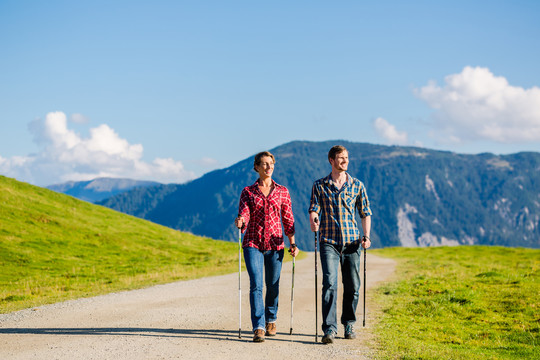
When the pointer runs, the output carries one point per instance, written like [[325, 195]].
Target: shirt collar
[[329, 180], [256, 184]]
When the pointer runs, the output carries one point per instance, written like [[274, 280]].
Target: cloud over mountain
[[390, 133], [65, 155], [475, 104]]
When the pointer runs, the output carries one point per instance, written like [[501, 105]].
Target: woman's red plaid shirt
[[263, 216]]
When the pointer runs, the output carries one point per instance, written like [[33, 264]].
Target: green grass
[[468, 302], [54, 247]]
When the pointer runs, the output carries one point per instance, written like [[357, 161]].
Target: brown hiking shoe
[[258, 335], [271, 329]]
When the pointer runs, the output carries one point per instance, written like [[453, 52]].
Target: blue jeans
[[349, 258], [269, 261]]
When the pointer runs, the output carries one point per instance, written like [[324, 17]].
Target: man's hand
[[366, 242], [314, 221], [239, 222]]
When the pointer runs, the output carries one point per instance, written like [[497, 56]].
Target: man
[[334, 199]]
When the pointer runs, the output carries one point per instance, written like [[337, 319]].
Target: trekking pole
[[239, 283], [365, 252], [316, 220], [292, 293]]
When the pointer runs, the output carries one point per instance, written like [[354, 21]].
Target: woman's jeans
[[349, 258], [269, 261]]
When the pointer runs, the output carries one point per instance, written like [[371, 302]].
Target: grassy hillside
[[54, 247], [468, 302]]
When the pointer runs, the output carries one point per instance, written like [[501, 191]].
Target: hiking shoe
[[271, 329], [258, 335], [349, 332], [328, 337]]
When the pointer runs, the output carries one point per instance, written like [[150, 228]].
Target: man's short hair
[[337, 149], [259, 156]]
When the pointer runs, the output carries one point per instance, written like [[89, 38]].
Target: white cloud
[[475, 104], [106, 140], [65, 155], [389, 132], [56, 131]]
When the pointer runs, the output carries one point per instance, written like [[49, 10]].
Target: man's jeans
[[349, 258], [269, 261]]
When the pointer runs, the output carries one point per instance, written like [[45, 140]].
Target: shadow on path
[[209, 334]]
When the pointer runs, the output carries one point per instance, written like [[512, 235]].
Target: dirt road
[[195, 319]]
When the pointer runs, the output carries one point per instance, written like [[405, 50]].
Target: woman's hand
[[239, 222], [293, 250]]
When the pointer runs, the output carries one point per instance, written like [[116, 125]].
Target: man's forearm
[[366, 226]]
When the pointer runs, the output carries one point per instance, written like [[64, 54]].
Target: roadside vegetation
[[467, 302], [54, 247]]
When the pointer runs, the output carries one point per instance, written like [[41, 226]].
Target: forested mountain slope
[[419, 197]]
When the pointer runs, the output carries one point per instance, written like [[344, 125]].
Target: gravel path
[[195, 319]]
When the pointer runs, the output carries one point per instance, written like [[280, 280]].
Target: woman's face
[[266, 167]]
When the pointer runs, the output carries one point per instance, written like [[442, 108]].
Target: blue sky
[[168, 90]]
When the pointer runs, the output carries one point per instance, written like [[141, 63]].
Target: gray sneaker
[[349, 332], [328, 337]]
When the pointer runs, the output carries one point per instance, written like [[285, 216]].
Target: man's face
[[340, 162]]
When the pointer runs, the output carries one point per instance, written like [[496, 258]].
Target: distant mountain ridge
[[99, 189], [419, 197]]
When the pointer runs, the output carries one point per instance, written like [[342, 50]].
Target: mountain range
[[98, 189], [419, 197]]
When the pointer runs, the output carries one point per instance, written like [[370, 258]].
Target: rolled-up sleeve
[[243, 208], [287, 213], [362, 203], [314, 202]]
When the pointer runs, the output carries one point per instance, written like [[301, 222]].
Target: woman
[[263, 206]]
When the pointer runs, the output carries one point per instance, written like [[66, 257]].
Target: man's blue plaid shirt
[[336, 209]]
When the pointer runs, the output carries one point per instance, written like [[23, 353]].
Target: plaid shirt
[[336, 208], [263, 214]]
